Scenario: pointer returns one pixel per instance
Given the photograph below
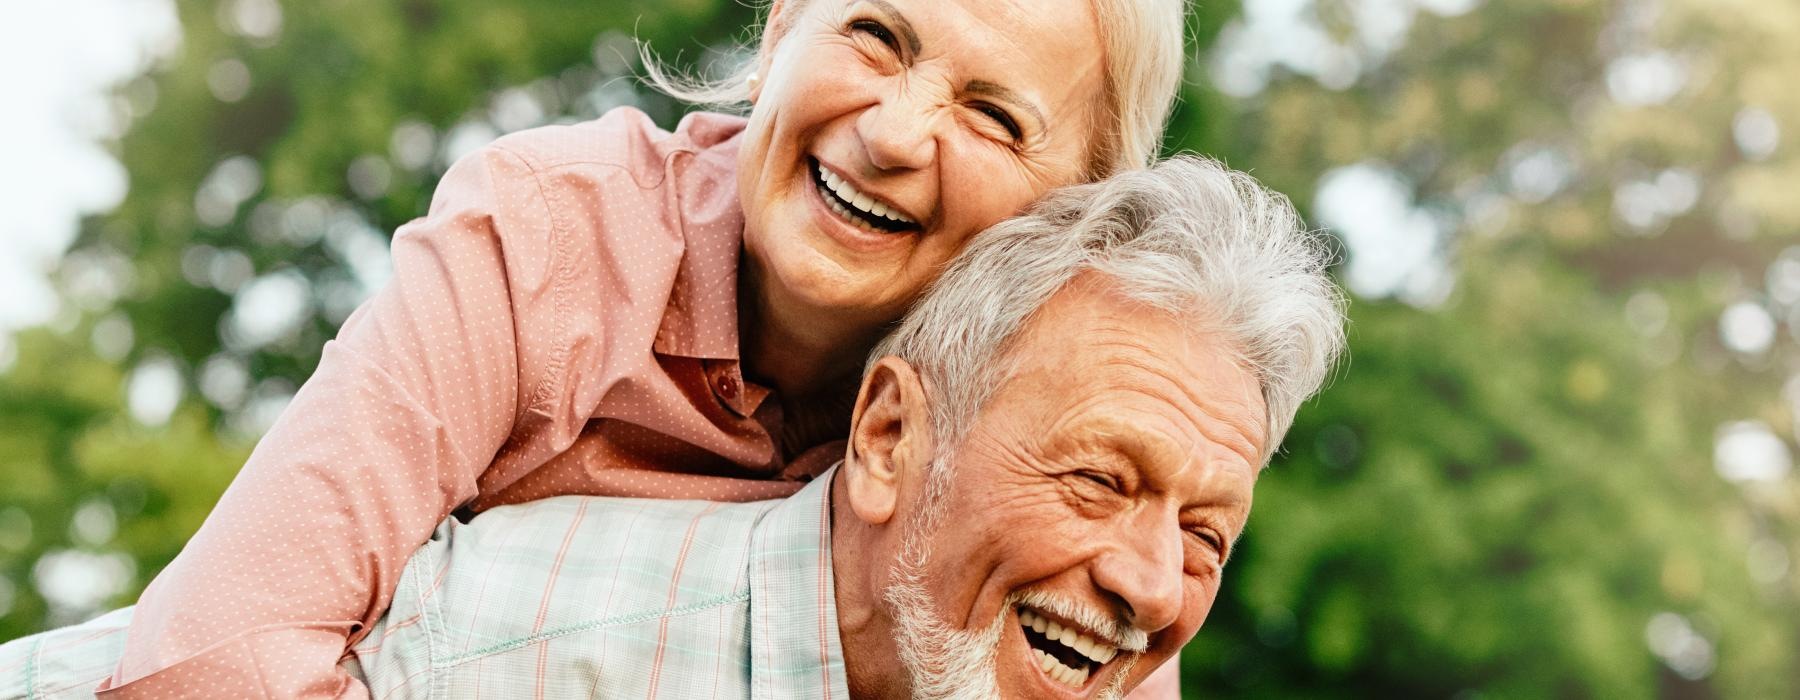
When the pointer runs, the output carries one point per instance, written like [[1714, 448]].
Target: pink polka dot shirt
[[562, 321]]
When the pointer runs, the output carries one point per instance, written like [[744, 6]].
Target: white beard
[[946, 663]]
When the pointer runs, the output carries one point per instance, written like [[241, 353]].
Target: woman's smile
[[859, 208], [855, 226]]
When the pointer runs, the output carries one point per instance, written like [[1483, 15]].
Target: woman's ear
[[890, 440], [775, 26]]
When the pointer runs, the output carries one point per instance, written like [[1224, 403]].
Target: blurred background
[[1558, 464]]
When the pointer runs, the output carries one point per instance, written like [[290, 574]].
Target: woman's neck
[[796, 350]]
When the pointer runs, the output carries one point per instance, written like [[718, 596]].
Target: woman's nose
[[899, 133]]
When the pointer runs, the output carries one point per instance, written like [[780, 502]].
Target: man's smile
[[1065, 652]]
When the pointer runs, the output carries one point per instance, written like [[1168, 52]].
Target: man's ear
[[890, 439]]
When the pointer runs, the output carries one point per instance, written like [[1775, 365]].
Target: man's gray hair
[[1187, 236]]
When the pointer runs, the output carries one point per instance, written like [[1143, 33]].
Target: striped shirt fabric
[[570, 597]]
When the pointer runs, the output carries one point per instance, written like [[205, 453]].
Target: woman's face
[[885, 133]]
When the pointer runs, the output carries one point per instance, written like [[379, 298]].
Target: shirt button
[[727, 389]]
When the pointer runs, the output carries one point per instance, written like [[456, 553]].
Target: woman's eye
[[879, 32], [1000, 117]]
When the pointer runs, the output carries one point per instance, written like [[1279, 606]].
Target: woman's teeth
[[863, 203], [1089, 648]]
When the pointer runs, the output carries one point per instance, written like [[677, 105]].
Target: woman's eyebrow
[[1004, 94], [900, 24]]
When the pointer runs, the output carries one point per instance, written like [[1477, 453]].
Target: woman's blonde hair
[[1142, 41]]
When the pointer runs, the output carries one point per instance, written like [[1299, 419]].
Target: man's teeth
[[1063, 674], [1097, 651], [1094, 650], [863, 202]]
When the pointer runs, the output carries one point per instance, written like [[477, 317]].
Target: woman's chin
[[808, 268], [830, 289], [823, 291]]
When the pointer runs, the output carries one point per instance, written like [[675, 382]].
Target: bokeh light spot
[[1748, 451], [78, 583], [229, 80], [1756, 132], [1747, 327], [1684, 650], [94, 523], [153, 391]]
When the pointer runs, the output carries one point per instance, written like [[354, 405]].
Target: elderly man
[[1049, 463]]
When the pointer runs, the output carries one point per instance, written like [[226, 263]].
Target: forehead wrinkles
[[1130, 366], [1007, 45]]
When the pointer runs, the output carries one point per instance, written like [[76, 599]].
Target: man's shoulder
[[583, 562], [584, 595], [578, 595], [594, 543]]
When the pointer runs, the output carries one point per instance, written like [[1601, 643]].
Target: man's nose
[[898, 133], [1145, 573]]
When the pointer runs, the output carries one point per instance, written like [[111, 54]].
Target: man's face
[[1098, 491]]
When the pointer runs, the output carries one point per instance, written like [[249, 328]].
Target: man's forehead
[[1119, 365]]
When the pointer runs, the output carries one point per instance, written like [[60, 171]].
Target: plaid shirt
[[570, 597]]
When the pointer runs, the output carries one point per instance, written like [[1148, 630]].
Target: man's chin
[[943, 663], [946, 663]]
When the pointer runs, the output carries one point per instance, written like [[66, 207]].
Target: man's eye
[[1209, 540], [1102, 480], [1000, 117], [879, 32]]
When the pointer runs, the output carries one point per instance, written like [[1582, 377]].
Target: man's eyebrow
[[1005, 94], [900, 24]]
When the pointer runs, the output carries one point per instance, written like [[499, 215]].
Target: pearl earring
[[752, 80]]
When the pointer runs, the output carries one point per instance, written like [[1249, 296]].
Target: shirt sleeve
[[423, 385], [65, 663]]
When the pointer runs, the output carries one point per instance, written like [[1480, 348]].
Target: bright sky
[[57, 60]]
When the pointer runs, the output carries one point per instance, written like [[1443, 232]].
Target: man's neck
[[864, 630]]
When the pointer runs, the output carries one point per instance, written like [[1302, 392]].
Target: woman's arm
[[408, 406]]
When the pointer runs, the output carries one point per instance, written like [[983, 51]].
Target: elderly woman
[[573, 315]]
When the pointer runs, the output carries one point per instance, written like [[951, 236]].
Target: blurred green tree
[[1556, 466]]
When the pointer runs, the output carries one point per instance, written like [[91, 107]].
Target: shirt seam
[[523, 642], [428, 617], [555, 368], [31, 664], [665, 161]]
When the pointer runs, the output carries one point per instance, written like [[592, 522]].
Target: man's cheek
[[1198, 603]]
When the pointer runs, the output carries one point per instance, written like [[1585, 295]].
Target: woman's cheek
[[989, 180]]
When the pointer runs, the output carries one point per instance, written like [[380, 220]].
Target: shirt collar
[[794, 649], [701, 319]]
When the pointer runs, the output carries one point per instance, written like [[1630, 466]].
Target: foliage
[[1511, 490]]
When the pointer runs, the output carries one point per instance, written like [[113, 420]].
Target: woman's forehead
[[1048, 48]]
